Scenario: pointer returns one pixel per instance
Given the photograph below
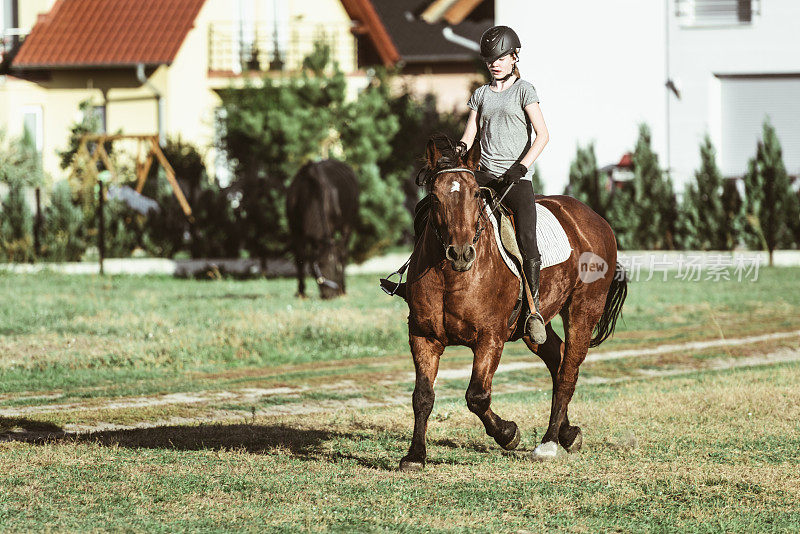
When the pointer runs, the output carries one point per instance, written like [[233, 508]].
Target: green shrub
[[16, 227], [63, 232]]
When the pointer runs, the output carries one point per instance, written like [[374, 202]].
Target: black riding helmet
[[498, 41]]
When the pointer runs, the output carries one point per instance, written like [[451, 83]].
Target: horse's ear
[[473, 157], [432, 153]]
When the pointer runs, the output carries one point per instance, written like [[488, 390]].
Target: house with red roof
[[158, 66]]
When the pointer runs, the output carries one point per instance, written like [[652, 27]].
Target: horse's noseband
[[479, 226]]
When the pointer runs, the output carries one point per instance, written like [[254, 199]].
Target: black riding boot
[[534, 325], [521, 201]]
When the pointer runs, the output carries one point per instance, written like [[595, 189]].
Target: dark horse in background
[[322, 210], [460, 292]]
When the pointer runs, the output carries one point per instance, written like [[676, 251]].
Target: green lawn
[[705, 452], [296, 412], [92, 336]]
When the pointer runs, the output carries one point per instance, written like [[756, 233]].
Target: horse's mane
[[447, 159]]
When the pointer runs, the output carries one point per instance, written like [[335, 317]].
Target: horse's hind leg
[[552, 352], [578, 326], [426, 354], [301, 275], [479, 395]]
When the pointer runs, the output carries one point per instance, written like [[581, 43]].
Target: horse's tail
[[617, 292]]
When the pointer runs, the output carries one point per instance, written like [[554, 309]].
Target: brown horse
[[460, 292]]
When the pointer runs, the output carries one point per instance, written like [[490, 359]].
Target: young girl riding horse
[[506, 117]]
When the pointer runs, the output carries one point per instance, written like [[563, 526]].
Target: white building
[[601, 68]]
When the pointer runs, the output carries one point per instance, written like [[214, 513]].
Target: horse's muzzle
[[461, 256]]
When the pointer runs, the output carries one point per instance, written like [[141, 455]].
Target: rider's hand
[[461, 149], [515, 173]]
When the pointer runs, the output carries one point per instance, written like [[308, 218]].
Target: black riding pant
[[522, 203]]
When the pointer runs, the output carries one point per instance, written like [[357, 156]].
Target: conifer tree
[[703, 221], [733, 206], [623, 217], [584, 181], [653, 197], [770, 203]]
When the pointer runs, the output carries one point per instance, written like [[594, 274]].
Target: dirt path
[[633, 353], [255, 396]]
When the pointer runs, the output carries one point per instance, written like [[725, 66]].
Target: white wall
[[769, 45], [599, 70]]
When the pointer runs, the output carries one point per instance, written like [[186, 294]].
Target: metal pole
[[101, 227], [669, 77], [102, 177], [37, 226]]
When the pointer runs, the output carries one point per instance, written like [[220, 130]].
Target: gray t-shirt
[[505, 129]]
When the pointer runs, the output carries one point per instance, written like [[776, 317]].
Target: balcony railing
[[716, 12], [232, 50]]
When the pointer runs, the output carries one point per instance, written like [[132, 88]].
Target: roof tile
[[82, 33]]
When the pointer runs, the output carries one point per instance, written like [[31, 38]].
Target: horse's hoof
[[511, 445], [411, 466], [545, 451], [577, 443], [572, 439]]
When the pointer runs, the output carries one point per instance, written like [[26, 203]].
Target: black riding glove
[[515, 173], [461, 149]]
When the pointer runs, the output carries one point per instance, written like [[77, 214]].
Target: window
[[716, 12], [746, 102], [99, 114], [33, 124]]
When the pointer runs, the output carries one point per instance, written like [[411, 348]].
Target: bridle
[[319, 277], [321, 280], [482, 217], [479, 223]]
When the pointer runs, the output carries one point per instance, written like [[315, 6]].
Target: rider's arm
[[471, 129], [534, 113]]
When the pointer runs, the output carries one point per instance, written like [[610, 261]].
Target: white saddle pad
[[554, 246]]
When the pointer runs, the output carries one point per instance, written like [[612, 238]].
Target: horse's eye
[[477, 194]]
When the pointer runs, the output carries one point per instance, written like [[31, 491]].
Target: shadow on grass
[[303, 443], [226, 296], [300, 442], [27, 426]]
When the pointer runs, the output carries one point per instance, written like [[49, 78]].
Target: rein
[[480, 227], [479, 224]]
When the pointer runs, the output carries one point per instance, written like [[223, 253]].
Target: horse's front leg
[[479, 394], [426, 354]]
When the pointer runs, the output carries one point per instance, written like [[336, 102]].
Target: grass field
[[159, 404]]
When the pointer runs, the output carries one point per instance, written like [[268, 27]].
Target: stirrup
[[387, 282], [534, 316]]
